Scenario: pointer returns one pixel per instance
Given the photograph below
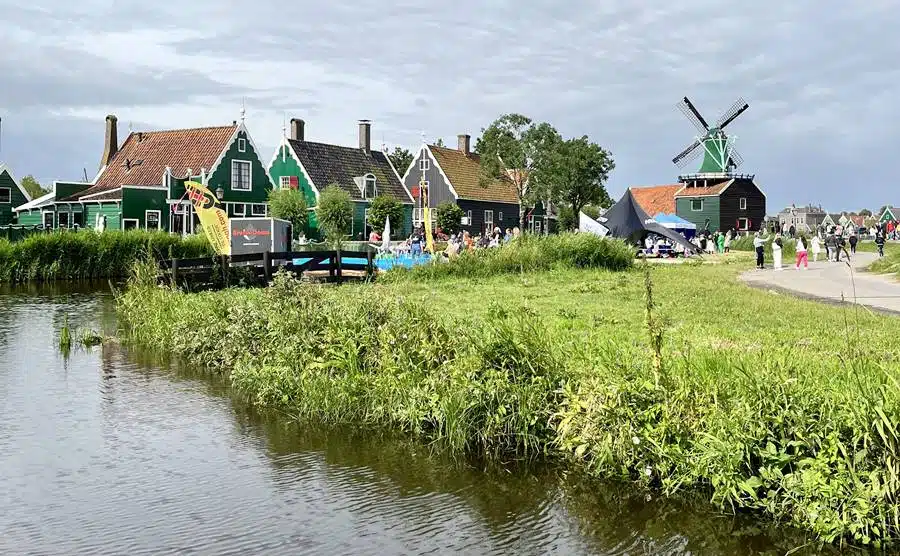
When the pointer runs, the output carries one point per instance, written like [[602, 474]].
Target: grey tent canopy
[[627, 220]]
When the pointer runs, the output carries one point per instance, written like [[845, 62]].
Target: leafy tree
[[881, 211], [865, 212], [384, 207], [33, 187], [516, 149], [401, 159], [593, 211], [449, 216], [289, 204], [335, 214], [576, 172]]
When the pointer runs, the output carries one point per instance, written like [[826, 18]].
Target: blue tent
[[677, 223]]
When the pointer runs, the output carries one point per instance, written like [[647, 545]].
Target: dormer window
[[369, 190], [242, 145]]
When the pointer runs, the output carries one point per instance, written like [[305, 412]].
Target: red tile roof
[[656, 199], [144, 156]]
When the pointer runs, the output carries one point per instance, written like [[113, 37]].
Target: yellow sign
[[429, 241], [212, 218]]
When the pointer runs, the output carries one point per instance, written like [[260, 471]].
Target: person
[[415, 243], [516, 232], [853, 240], [758, 243], [816, 247], [776, 252], [508, 236], [728, 236], [801, 253], [879, 242], [721, 243]]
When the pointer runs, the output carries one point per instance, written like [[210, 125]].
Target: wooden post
[[175, 272], [340, 276], [267, 266], [370, 268], [225, 268], [331, 265]]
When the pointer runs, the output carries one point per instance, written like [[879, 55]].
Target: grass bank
[[67, 255], [526, 254], [767, 403]]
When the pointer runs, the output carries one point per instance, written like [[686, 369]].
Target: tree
[[515, 149], [401, 159], [449, 217], [289, 204], [575, 172], [593, 211], [439, 142], [335, 214], [33, 187], [881, 211], [865, 212], [384, 207]]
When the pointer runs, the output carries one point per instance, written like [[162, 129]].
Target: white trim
[[151, 187], [100, 193], [241, 145], [5, 168], [365, 180], [137, 223], [401, 180], [742, 203], [282, 184], [158, 219], [421, 161], [241, 127], [692, 205], [234, 207], [290, 148], [10, 195], [68, 219], [264, 206], [249, 178], [52, 213], [443, 175], [35, 203]]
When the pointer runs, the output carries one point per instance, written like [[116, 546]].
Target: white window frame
[[254, 206], [125, 221], [68, 219], [52, 219], [424, 163], [697, 209], [746, 225], [743, 203], [235, 165], [370, 178], [488, 221], [468, 217], [242, 145], [8, 200], [366, 216], [285, 182], [147, 214], [500, 217], [234, 210]]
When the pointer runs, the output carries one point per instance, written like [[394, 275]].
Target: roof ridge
[[201, 128]]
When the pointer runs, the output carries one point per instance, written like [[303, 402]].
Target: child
[[816, 248], [801, 253]]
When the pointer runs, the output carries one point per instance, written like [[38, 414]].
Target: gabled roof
[[42, 201], [657, 198], [5, 169], [711, 191], [464, 169], [144, 157], [333, 164]]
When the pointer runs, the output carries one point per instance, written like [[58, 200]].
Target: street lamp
[[220, 193]]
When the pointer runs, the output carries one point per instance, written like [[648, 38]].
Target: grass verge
[[676, 378]]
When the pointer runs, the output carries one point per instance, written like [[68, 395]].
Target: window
[[240, 175], [468, 217], [78, 219], [239, 209], [258, 210], [500, 217], [285, 181], [488, 220], [743, 224], [5, 195], [129, 223], [369, 191], [743, 203], [63, 220], [48, 219], [424, 163], [696, 205], [242, 145], [151, 219], [366, 216]]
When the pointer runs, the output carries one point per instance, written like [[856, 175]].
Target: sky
[[821, 80]]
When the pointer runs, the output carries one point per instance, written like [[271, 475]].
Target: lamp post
[[220, 193]]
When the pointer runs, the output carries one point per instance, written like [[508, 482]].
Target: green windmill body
[[719, 156]]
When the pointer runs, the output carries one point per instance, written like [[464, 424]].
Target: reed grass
[[676, 378], [86, 254]]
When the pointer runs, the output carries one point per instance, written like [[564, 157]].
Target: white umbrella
[[386, 236]]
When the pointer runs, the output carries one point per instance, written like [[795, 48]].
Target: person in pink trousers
[[801, 254]]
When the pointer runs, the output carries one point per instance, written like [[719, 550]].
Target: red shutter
[[295, 182], [737, 225], [749, 224], [415, 192]]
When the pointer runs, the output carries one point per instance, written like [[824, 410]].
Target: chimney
[[111, 142], [365, 135], [463, 142], [298, 127]]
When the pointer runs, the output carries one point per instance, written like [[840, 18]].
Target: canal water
[[107, 452]]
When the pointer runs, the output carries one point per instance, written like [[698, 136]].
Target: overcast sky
[[822, 82]]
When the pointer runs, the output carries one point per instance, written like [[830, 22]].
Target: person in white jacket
[[776, 252], [801, 253], [816, 247]]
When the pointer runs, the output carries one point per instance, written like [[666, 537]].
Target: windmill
[[720, 157]]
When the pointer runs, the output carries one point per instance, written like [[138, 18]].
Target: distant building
[[804, 219]]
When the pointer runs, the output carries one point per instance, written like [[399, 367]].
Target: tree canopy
[[33, 187], [289, 204], [335, 214], [382, 208], [576, 172], [401, 159], [449, 217]]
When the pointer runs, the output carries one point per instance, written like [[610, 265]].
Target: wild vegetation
[[890, 263], [67, 255], [675, 379]]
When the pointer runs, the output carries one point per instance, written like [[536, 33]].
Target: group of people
[[778, 243], [835, 242], [718, 242], [414, 245]]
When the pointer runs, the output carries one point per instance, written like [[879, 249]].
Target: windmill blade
[[735, 158], [729, 116], [689, 114], [688, 109], [688, 154]]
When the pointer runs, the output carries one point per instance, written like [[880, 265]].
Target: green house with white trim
[[12, 194], [360, 171], [888, 215], [141, 183]]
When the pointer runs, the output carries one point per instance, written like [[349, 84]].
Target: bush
[[86, 254], [334, 212], [527, 253], [289, 204], [449, 217], [382, 208]]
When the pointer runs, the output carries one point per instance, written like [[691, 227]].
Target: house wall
[[710, 211], [260, 184], [30, 217], [438, 188], [476, 226], [7, 216], [135, 203], [110, 210], [286, 165], [74, 212], [729, 205], [65, 189]]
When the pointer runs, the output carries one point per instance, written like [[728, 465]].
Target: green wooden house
[[888, 215], [731, 202], [12, 194], [141, 184], [360, 171]]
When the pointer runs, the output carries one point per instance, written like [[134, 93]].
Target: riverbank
[[771, 404], [86, 254]]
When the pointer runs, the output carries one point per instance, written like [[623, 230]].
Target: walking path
[[828, 281]]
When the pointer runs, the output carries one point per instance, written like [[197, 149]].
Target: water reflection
[[121, 453]]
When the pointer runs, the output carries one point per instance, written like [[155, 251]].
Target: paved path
[[828, 281]]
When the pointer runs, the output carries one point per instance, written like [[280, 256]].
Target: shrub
[[334, 212], [382, 208], [449, 217], [289, 204]]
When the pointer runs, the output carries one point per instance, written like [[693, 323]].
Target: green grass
[[765, 402], [66, 255]]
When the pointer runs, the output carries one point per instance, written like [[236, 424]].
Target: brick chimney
[[298, 128], [365, 135], [111, 141], [463, 142]]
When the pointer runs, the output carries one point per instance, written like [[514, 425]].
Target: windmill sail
[[689, 153], [732, 113]]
